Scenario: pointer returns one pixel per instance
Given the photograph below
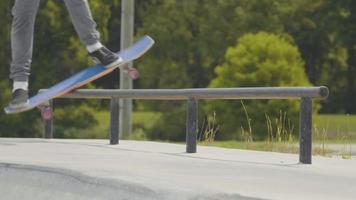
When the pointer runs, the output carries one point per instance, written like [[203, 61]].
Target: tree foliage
[[261, 59], [257, 60], [192, 37]]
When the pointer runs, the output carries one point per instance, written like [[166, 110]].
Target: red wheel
[[46, 113], [133, 73]]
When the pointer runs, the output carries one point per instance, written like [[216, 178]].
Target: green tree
[[191, 37], [346, 13], [315, 28], [258, 60], [323, 31]]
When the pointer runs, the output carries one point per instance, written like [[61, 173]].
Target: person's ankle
[[20, 85], [93, 47]]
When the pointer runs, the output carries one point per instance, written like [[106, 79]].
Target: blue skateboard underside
[[85, 76]]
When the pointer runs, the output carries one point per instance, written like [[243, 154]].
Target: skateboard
[[42, 99]]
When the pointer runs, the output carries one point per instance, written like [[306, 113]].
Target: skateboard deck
[[88, 75]]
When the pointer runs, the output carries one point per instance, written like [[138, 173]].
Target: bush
[[74, 122], [258, 60], [170, 125]]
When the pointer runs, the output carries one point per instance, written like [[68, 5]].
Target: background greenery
[[199, 43]]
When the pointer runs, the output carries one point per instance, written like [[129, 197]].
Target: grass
[[141, 121], [268, 146], [103, 126], [328, 129], [335, 127], [280, 137], [255, 145]]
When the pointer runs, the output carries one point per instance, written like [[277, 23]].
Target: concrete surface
[[92, 169]]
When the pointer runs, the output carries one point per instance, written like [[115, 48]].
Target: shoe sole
[[20, 105], [115, 63]]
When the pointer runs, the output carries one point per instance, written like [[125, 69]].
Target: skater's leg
[[24, 14], [86, 28], [23, 22], [83, 21]]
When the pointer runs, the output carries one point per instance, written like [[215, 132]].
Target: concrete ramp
[[34, 182], [92, 169]]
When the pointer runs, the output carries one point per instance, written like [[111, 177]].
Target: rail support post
[[114, 121], [47, 118], [305, 145], [192, 125]]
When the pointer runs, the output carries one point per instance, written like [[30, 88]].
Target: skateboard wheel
[[46, 113], [133, 74]]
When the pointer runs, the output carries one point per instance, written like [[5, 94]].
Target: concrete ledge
[[92, 169]]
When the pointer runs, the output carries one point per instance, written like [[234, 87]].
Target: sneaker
[[19, 99], [105, 57]]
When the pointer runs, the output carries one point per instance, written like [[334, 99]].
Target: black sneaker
[[105, 57], [19, 98]]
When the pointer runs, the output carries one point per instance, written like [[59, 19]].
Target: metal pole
[[114, 119], [127, 32], [305, 151], [192, 125]]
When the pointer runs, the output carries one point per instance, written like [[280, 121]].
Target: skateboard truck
[[46, 111]]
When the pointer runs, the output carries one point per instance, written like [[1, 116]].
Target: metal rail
[[193, 95], [203, 93]]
